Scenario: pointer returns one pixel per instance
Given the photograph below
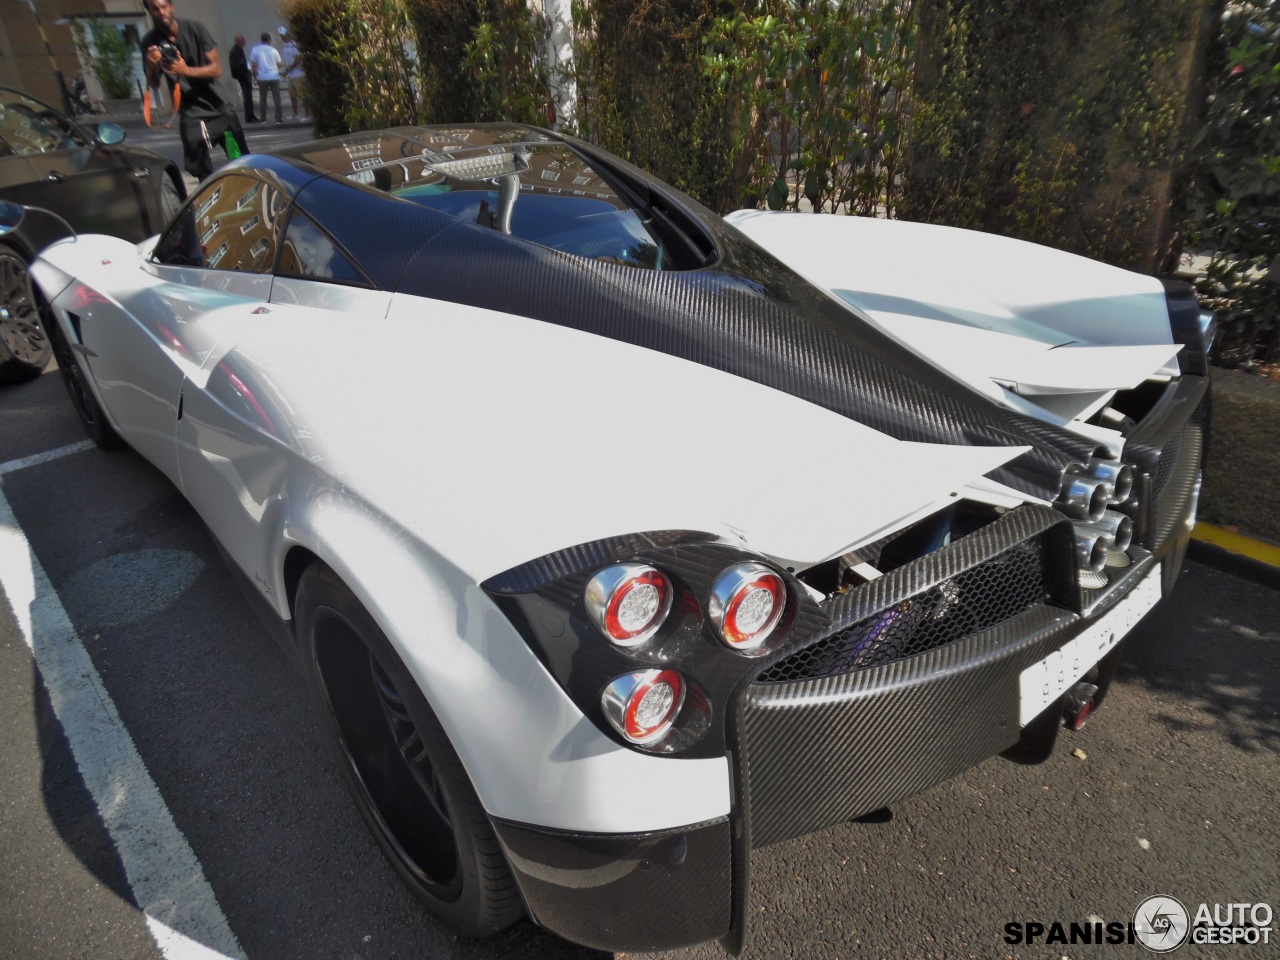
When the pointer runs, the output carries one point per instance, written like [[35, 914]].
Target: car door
[[216, 256], [18, 182], [239, 433], [92, 186]]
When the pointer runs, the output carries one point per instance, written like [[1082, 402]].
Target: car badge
[[106, 263]]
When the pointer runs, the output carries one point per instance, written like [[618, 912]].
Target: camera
[[168, 51]]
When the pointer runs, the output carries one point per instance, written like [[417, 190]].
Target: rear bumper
[[809, 754], [648, 891]]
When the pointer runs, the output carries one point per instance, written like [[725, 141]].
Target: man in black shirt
[[186, 54], [241, 75]]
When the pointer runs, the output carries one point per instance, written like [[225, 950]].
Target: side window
[[307, 251], [31, 127], [232, 224]]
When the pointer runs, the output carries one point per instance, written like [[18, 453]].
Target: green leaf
[[778, 194]]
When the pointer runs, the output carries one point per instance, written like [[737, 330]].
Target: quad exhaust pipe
[[1087, 491], [1115, 473], [1112, 531]]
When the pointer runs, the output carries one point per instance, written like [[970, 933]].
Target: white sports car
[[617, 539]]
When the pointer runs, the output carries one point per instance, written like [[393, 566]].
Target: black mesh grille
[[986, 595]]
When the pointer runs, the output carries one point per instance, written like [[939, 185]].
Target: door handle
[[53, 176], [142, 173]]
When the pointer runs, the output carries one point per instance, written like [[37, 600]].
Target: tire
[[398, 764], [24, 345], [90, 412], [170, 201]]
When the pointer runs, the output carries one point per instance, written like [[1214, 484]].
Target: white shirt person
[[265, 61]]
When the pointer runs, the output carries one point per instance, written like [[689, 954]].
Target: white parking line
[[45, 457], [167, 880]]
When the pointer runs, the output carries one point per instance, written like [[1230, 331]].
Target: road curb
[[1236, 554]]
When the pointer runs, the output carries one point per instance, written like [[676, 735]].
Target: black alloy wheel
[[24, 347], [398, 764]]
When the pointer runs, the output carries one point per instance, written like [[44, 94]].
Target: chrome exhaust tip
[[1091, 549], [1117, 474], [1115, 529], [1084, 497]]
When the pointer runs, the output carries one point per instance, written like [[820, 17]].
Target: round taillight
[[746, 604], [642, 706], [628, 602]]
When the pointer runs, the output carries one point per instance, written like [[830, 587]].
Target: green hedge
[[356, 56], [1234, 203], [1059, 121]]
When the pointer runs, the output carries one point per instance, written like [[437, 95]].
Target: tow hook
[[1077, 704]]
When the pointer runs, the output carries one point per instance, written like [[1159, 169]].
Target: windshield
[[538, 191]]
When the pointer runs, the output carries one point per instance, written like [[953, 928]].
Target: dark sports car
[[616, 539], [86, 178]]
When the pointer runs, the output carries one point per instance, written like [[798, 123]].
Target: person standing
[[241, 75], [265, 60], [293, 75], [186, 55]]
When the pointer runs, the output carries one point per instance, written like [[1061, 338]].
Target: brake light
[[628, 602], [746, 604], [642, 706]]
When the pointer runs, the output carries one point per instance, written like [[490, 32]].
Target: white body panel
[[992, 311]]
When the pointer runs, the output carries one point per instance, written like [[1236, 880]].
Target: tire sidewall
[[321, 593]]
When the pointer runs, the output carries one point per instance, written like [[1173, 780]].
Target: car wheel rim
[[385, 749], [20, 328]]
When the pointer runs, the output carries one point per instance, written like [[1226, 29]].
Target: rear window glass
[[542, 192]]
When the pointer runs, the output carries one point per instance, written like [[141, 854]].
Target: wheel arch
[[504, 714]]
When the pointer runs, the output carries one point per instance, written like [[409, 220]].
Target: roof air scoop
[[503, 168]]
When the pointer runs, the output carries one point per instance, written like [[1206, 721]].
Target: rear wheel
[[76, 381], [24, 347], [398, 764]]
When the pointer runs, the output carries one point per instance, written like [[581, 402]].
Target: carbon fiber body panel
[[816, 752], [1017, 563], [1165, 451], [643, 892]]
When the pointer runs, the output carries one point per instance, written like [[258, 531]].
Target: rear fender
[[531, 754]]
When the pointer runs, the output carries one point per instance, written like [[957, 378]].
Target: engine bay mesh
[[981, 597]]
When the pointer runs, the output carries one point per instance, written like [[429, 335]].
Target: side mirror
[[10, 217], [108, 134]]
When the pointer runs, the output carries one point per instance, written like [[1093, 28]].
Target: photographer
[[186, 54]]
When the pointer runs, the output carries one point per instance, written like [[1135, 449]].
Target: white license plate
[[1044, 682]]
